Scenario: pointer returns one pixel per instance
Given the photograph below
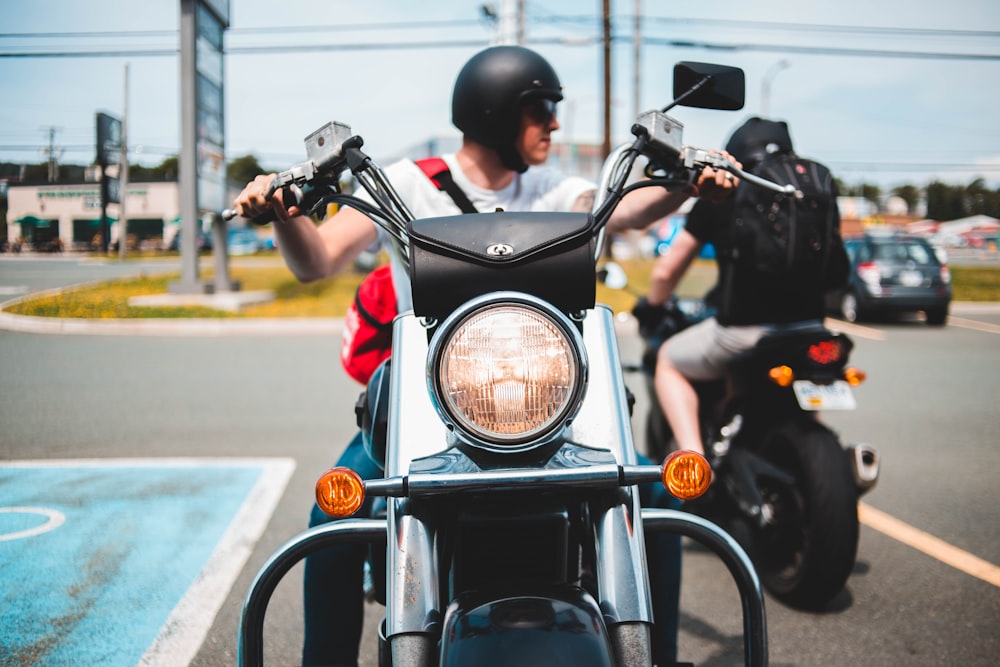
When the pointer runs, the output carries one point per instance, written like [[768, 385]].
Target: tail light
[[826, 352], [945, 274], [686, 474], [869, 273]]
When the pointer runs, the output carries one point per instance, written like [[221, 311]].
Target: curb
[[173, 327]]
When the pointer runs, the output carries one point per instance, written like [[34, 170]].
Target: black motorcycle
[[785, 486]]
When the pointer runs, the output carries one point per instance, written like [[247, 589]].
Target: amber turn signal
[[781, 375], [686, 474], [854, 376], [340, 492]]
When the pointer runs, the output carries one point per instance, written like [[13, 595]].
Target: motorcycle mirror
[[709, 86], [613, 276]]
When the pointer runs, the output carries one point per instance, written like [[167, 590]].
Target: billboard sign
[[109, 139]]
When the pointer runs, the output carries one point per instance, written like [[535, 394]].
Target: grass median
[[331, 297]]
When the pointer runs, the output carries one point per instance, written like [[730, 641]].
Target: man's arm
[[671, 266], [311, 252], [644, 206]]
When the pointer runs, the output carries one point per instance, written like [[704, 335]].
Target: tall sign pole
[[202, 158], [109, 146]]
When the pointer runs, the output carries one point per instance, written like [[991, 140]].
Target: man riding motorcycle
[[755, 304], [504, 103]]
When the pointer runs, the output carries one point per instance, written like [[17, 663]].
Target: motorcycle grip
[[291, 195]]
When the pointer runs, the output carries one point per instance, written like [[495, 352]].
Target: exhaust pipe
[[865, 462]]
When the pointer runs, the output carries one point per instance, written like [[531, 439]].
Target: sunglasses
[[541, 110]]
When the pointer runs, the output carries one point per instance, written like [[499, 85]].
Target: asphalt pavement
[[149, 398]]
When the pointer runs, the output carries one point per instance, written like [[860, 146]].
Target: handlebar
[[697, 158], [291, 195], [332, 149]]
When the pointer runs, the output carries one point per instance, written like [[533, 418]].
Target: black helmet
[[758, 137], [489, 92]]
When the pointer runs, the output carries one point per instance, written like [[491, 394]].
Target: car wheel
[[849, 307], [937, 317]]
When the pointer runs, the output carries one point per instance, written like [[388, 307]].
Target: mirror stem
[[693, 89]]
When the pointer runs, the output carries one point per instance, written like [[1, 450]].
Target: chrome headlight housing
[[508, 371]]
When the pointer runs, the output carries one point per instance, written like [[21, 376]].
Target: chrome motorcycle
[[513, 532]]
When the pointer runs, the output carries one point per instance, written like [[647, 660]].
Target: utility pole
[[520, 22], [510, 22], [765, 86], [606, 36], [53, 154], [637, 53]]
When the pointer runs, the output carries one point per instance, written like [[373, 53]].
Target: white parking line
[[185, 630], [928, 544], [188, 624], [53, 519]]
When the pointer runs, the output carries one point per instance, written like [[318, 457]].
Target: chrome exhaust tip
[[865, 463]]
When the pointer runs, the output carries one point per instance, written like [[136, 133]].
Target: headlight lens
[[509, 373]]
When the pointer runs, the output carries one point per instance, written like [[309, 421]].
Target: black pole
[[105, 227]]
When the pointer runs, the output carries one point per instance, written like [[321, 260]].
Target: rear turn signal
[[686, 474], [340, 492], [781, 375], [854, 376]]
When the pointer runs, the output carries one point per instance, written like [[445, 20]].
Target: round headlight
[[509, 373]]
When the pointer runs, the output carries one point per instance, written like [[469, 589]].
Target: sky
[[889, 92]]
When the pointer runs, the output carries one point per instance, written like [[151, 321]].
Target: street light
[[765, 85]]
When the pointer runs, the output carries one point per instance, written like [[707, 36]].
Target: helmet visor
[[540, 109]]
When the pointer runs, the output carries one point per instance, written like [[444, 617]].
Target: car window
[[889, 252], [919, 253], [860, 252], [903, 251]]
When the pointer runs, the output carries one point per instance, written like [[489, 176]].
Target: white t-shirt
[[541, 189]]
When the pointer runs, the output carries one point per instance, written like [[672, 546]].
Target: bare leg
[[679, 403]]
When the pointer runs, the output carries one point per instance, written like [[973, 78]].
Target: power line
[[407, 46], [821, 50], [813, 27], [236, 31]]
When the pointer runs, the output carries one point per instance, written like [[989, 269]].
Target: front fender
[[560, 626]]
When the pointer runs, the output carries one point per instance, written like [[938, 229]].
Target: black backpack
[[787, 235]]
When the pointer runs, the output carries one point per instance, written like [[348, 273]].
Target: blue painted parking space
[[96, 558]]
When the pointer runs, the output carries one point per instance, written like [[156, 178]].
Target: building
[[71, 213]]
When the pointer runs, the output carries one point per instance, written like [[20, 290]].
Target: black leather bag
[[456, 258]]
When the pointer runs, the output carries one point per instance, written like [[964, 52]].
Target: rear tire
[[805, 555], [937, 317]]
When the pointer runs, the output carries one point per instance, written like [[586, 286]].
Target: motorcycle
[[785, 486], [512, 528]]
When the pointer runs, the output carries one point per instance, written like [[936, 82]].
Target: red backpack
[[368, 323]]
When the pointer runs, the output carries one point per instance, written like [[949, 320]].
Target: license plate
[[911, 278], [835, 396]]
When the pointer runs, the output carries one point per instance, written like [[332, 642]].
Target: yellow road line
[[854, 329], [928, 544], [973, 324]]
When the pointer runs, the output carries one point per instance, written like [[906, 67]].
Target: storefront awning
[[33, 221]]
